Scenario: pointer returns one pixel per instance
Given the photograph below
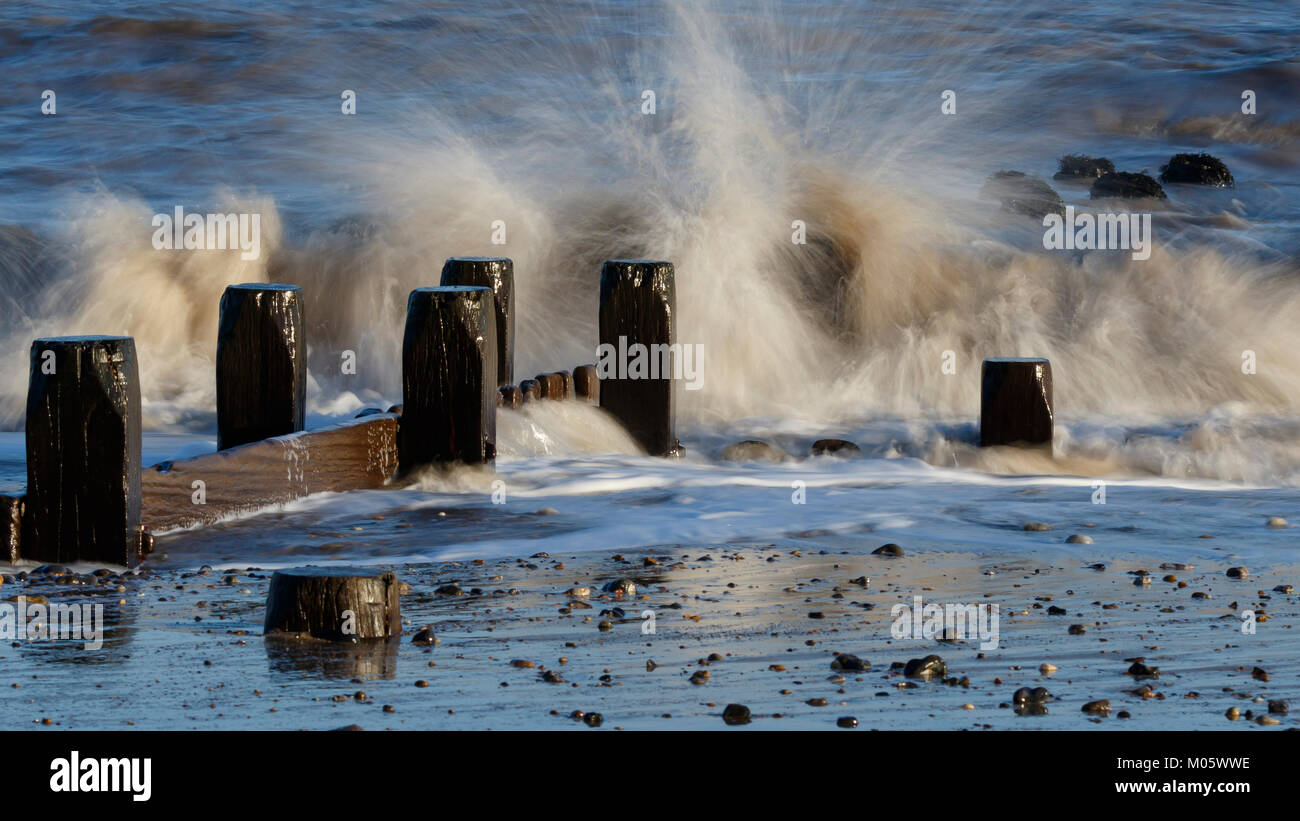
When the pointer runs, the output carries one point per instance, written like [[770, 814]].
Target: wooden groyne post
[[637, 307], [261, 364], [498, 274], [83, 452], [335, 603], [1016, 402], [449, 379]]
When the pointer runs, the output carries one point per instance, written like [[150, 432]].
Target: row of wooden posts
[[89, 499]]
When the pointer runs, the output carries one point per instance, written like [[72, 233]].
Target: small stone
[[1047, 669], [1140, 670], [578, 592], [1232, 714], [421, 683], [1278, 707], [1100, 707], [1266, 721], [1259, 674], [424, 636], [523, 664], [736, 714], [891, 550], [1284, 588], [1238, 573], [1276, 521], [1079, 538], [1025, 695], [850, 662], [1077, 630], [1037, 527], [816, 702], [928, 667], [847, 722], [593, 719], [621, 587]]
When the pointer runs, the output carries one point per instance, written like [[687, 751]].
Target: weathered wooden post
[[336, 603], [499, 275], [449, 380], [586, 384], [261, 364], [1016, 402], [637, 303], [83, 451], [511, 397], [529, 391], [11, 527]]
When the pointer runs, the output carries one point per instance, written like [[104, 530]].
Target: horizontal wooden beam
[[356, 455]]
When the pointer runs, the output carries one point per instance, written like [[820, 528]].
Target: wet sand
[[185, 649]]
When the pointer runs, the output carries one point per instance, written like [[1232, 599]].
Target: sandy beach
[[517, 647]]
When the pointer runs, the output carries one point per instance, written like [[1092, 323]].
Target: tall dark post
[[261, 364], [449, 379], [637, 303], [1016, 402], [499, 275], [83, 451]]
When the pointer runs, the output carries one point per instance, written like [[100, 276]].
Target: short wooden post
[[11, 527], [511, 397], [1016, 402], [637, 306], [529, 391], [83, 452], [336, 603], [586, 384], [261, 364], [499, 275], [449, 380]]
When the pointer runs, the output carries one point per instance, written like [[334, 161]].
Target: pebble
[[848, 661], [1100, 707], [1266, 721], [1079, 538], [1279, 707], [621, 587], [928, 667], [1037, 527], [593, 719], [1047, 669], [1233, 714], [847, 722], [1276, 521], [1025, 695], [891, 550], [1238, 572], [735, 714], [1284, 588], [424, 636], [1077, 630]]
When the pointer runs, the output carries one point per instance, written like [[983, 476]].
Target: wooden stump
[[567, 387], [261, 364], [335, 603], [511, 397], [449, 380], [1016, 403], [83, 452], [11, 527], [586, 383], [499, 275], [551, 385], [637, 304]]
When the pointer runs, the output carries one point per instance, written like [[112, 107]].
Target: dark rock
[[1081, 167], [621, 587], [847, 722], [1238, 573], [928, 667], [753, 450], [1100, 707], [735, 714], [890, 550], [1023, 194], [828, 446], [1127, 186], [849, 662], [1196, 169], [1139, 670]]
